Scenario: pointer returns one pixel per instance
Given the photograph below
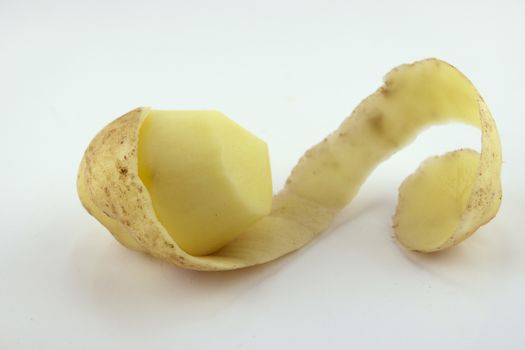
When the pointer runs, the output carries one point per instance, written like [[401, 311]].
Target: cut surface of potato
[[208, 178], [443, 203]]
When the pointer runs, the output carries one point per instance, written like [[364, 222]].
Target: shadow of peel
[[479, 261], [135, 289]]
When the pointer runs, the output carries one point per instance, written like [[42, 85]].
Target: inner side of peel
[[433, 199]]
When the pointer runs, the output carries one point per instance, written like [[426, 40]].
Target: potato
[[444, 202]]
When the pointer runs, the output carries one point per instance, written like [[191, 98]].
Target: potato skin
[[111, 224]]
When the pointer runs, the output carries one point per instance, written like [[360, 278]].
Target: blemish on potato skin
[[385, 91], [113, 209], [377, 124], [376, 121], [169, 245]]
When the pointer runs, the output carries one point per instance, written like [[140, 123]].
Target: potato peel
[[324, 181]]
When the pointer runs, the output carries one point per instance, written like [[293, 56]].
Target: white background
[[289, 71]]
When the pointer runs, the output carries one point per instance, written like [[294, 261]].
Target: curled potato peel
[[440, 205]]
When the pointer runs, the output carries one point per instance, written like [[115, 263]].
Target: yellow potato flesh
[[209, 179], [443, 203]]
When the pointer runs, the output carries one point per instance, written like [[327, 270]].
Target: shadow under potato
[[136, 290]]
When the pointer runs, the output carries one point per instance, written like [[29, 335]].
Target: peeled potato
[[440, 205], [208, 178]]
